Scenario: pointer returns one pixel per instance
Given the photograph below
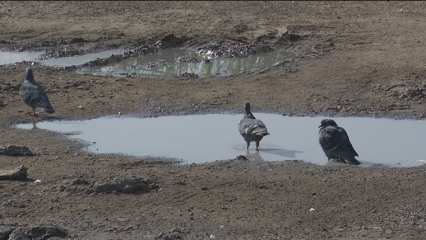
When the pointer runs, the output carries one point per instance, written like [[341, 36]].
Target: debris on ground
[[19, 173], [126, 185], [174, 234], [15, 150], [41, 232]]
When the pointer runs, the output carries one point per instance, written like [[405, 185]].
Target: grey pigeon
[[252, 129], [336, 144], [34, 95]]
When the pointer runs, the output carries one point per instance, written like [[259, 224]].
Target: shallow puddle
[[9, 57], [81, 59], [204, 138], [175, 62], [15, 57], [169, 63]]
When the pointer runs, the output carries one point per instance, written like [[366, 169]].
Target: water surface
[[175, 62], [209, 137], [11, 57], [81, 59]]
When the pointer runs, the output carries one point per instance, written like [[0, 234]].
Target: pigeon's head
[[29, 75], [327, 122], [247, 107]]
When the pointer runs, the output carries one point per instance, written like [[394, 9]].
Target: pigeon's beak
[[319, 126]]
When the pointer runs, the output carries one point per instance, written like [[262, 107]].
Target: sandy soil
[[370, 61]]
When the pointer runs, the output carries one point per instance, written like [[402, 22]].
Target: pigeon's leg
[[257, 145], [36, 114], [248, 145], [34, 124]]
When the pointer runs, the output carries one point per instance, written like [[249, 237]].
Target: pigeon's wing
[[244, 125], [336, 145], [249, 126], [30, 93], [35, 96], [329, 140], [345, 142]]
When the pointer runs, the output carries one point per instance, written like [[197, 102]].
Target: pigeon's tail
[[45, 104], [349, 158]]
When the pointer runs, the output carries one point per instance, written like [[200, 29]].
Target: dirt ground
[[370, 61]]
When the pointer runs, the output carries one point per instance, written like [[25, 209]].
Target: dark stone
[[19, 173], [170, 40], [13, 150], [188, 59], [77, 40], [240, 28], [79, 181], [126, 185], [5, 231], [187, 75], [174, 234], [41, 232]]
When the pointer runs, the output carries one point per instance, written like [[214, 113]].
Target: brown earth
[[374, 64]]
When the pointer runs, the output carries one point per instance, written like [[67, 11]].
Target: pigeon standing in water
[[335, 142], [252, 129], [34, 95]]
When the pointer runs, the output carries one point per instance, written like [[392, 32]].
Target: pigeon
[[252, 129], [34, 95], [336, 144]]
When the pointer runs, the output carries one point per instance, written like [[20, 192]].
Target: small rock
[[311, 209], [79, 181], [37, 181], [241, 157], [14, 150], [5, 231], [80, 107], [38, 232], [126, 185]]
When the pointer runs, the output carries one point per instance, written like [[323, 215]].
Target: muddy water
[[175, 62], [8, 57], [203, 138]]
